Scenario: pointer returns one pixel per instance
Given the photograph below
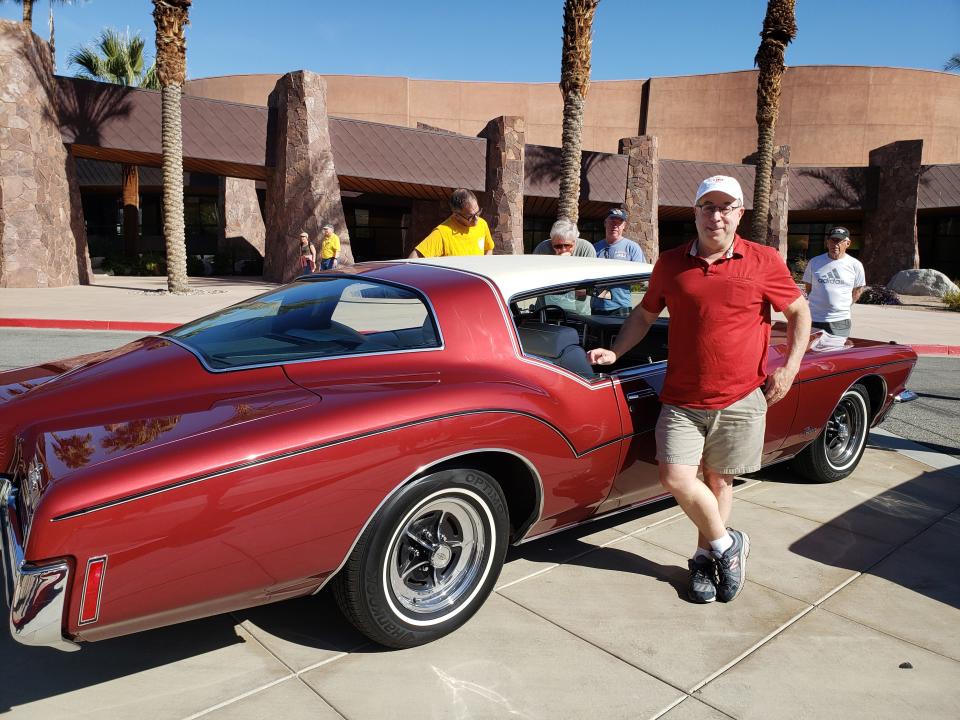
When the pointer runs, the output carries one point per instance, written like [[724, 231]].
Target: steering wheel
[[544, 312]]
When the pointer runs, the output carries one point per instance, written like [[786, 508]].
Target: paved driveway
[[852, 610]]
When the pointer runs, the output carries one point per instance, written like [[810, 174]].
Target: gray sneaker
[[703, 584], [732, 567]]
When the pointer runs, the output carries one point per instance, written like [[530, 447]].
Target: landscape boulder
[[922, 282]]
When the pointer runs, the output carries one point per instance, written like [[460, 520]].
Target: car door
[[638, 395]]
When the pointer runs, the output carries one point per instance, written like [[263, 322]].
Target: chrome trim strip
[[312, 448], [419, 471], [905, 397], [35, 594]]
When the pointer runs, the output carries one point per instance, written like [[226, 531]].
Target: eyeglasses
[[469, 218], [837, 239], [561, 246], [724, 210]]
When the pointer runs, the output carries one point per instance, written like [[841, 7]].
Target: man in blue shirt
[[616, 300]]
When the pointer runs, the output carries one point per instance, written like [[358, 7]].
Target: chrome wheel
[[437, 555], [428, 558], [846, 431]]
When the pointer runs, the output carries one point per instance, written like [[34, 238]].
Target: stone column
[[777, 229], [303, 192], [243, 229], [425, 215], [503, 202], [42, 238], [640, 199], [890, 218]]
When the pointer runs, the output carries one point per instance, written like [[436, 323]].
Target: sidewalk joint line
[[756, 646]]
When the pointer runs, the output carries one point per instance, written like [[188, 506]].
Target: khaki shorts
[[729, 441]]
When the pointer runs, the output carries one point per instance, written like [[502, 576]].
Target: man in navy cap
[[614, 246], [834, 281]]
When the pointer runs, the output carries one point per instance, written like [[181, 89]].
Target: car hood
[[133, 400]]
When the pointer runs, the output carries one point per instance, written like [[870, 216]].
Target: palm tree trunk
[[570, 157], [171, 18], [779, 29], [574, 83], [130, 175], [173, 226], [28, 14]]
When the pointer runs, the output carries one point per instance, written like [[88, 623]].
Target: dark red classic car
[[388, 428]]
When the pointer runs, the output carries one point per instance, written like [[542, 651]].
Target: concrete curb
[[147, 327]]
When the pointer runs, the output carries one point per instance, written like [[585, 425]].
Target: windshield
[[309, 319]]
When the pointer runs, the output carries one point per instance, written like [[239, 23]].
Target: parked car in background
[[387, 429]]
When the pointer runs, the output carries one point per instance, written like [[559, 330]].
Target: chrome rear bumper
[[35, 594]]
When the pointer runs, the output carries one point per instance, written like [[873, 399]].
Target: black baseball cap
[[839, 232], [618, 213]]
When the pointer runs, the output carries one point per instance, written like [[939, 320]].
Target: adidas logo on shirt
[[830, 278]]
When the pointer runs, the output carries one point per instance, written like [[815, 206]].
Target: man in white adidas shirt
[[834, 281]]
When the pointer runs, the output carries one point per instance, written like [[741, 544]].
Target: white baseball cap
[[720, 183]]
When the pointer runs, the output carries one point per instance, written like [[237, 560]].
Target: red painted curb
[[150, 327], [936, 349]]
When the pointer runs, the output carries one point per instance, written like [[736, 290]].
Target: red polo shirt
[[719, 320]]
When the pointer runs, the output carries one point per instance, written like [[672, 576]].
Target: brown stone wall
[[425, 215], [303, 192], [777, 229], [503, 201], [243, 228], [640, 198], [42, 238], [890, 219]]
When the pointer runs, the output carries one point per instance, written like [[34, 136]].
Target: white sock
[[721, 545], [701, 553]]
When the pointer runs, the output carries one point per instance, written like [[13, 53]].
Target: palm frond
[[953, 64]]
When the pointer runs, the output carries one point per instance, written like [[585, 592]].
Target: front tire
[[837, 451], [427, 561]]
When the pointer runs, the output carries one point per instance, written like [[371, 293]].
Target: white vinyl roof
[[515, 274]]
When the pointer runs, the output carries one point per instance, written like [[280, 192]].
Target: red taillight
[[92, 585]]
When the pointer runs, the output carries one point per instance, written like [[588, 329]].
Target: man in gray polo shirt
[[834, 281]]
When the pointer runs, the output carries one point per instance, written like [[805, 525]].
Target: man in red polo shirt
[[719, 289]]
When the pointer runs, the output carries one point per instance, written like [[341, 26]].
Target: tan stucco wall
[[830, 115], [613, 107]]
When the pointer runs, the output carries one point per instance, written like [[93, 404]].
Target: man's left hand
[[778, 384]]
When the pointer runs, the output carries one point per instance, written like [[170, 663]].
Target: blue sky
[[516, 40]]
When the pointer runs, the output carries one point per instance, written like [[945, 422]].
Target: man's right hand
[[601, 356]]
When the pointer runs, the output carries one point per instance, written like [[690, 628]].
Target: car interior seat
[[557, 344]]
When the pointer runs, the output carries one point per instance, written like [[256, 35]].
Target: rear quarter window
[[312, 319]]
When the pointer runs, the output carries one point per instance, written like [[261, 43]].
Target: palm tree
[[118, 58], [953, 64], [28, 10], [171, 19], [574, 83], [779, 29]]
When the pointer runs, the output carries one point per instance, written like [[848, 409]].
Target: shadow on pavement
[[31, 674], [915, 518]]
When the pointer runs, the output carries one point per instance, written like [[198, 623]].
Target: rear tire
[[837, 451], [427, 561]]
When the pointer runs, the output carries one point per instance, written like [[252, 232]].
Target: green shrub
[[152, 264], [879, 295], [952, 299]]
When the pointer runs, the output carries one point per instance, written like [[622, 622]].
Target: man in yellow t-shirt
[[463, 233], [329, 248]]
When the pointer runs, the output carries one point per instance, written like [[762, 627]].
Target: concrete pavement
[[142, 304], [852, 609]]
